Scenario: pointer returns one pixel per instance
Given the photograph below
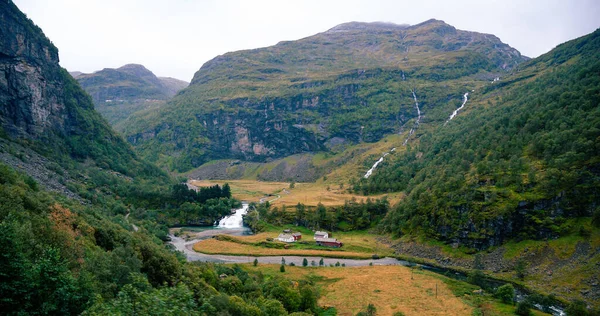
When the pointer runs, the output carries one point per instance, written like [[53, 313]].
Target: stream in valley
[[233, 225]]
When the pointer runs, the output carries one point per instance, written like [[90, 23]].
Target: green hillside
[[68, 185], [118, 93], [348, 85], [517, 163]]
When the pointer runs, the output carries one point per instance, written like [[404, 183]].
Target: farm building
[[286, 238], [320, 234], [329, 242], [297, 236]]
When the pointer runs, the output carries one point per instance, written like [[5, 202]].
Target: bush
[[304, 262], [523, 308], [596, 217], [282, 268], [506, 293], [255, 263], [577, 308], [521, 269]]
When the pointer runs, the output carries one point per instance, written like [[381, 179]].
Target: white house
[[320, 234], [286, 238]]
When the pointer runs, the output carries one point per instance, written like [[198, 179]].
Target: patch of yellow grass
[[213, 246], [309, 194], [390, 289]]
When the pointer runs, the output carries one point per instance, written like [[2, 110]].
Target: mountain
[[521, 162], [68, 185], [348, 85], [118, 93], [75, 74], [172, 85]]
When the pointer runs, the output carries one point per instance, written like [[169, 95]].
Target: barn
[[297, 236], [320, 234], [329, 242]]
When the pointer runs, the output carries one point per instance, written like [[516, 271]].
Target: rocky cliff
[[349, 84], [30, 88], [42, 108]]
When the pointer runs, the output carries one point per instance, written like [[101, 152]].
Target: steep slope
[[520, 162], [49, 127], [118, 93], [172, 85], [60, 256], [347, 85]]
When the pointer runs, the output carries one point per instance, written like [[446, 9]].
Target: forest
[[519, 166]]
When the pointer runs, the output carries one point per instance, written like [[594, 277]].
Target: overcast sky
[[173, 38]]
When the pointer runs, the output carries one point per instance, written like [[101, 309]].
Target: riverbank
[[566, 267]]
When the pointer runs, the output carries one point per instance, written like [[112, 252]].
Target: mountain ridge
[[120, 92], [294, 90]]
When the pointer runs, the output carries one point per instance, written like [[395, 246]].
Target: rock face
[[42, 107], [30, 79], [347, 85]]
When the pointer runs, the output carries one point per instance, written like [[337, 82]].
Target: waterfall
[[412, 130], [465, 99], [235, 220]]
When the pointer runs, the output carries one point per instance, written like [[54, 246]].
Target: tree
[[596, 217], [521, 269], [226, 191], [371, 310], [282, 268], [255, 263], [506, 293], [308, 299], [577, 308], [304, 262], [477, 278], [477, 262], [321, 214], [321, 262], [300, 214], [523, 308]]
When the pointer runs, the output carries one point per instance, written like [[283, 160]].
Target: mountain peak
[[367, 26], [138, 70]]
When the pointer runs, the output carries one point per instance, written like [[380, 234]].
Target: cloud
[[174, 38]]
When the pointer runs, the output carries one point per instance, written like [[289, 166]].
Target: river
[[233, 225]]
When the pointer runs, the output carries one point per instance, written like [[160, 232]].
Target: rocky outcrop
[[42, 108], [30, 79], [347, 85]]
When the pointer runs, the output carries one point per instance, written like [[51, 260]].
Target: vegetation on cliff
[[347, 85], [516, 165], [118, 93]]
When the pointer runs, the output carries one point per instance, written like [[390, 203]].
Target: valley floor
[[280, 193]]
